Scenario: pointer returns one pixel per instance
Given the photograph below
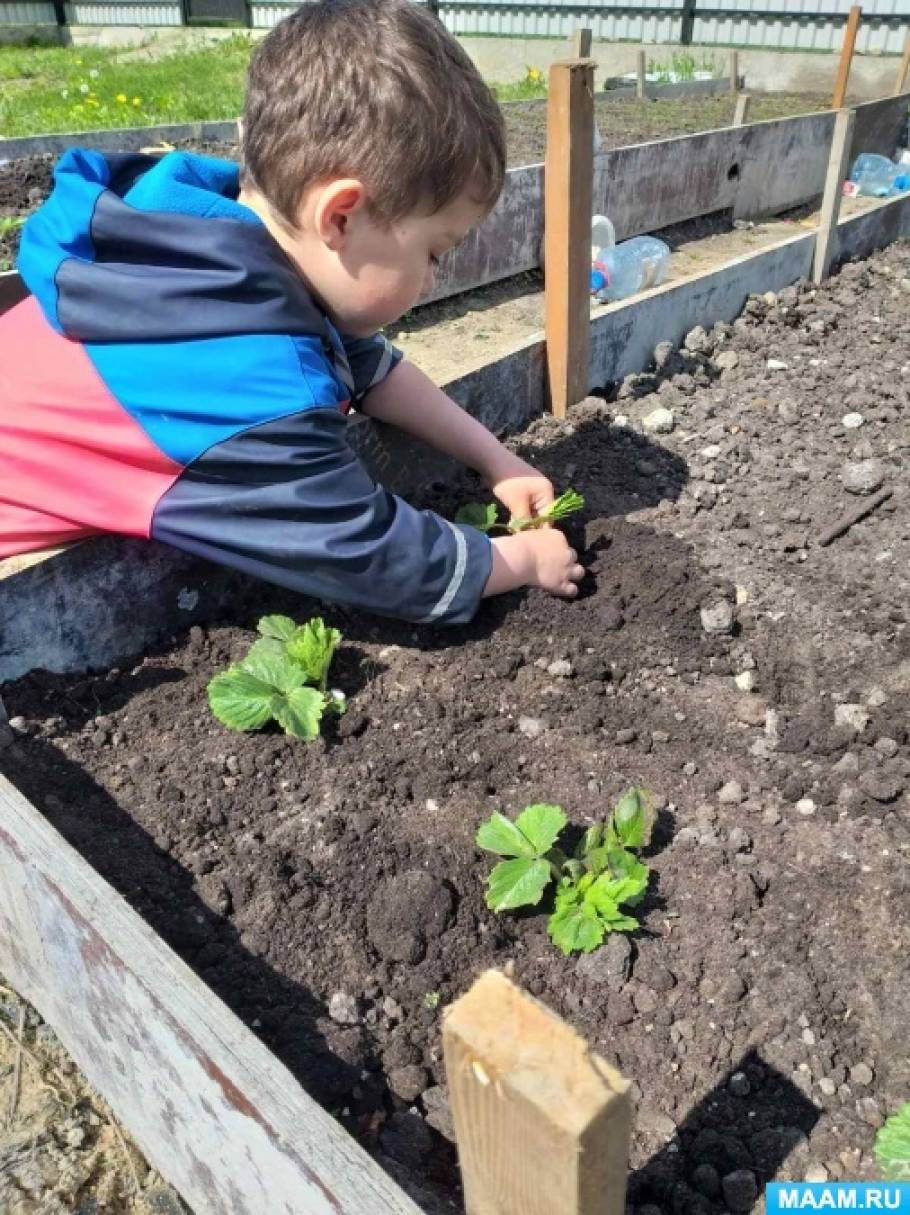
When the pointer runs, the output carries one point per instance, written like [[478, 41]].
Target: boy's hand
[[522, 490], [535, 558]]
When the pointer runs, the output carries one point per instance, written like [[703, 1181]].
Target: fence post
[[838, 161], [846, 57], [687, 24], [579, 44], [542, 1123], [734, 72], [60, 12], [641, 76], [568, 186], [902, 69]]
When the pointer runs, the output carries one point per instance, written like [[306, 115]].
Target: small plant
[[9, 223], [283, 678], [603, 874], [892, 1146], [483, 515]]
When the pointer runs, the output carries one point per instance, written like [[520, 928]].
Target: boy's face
[[366, 274]]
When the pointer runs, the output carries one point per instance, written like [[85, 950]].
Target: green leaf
[[609, 892], [633, 818], [313, 646], [576, 927], [299, 713], [566, 504], [279, 627], [541, 825], [517, 883], [477, 514], [240, 700], [892, 1145], [592, 839], [274, 667], [266, 645], [500, 835]]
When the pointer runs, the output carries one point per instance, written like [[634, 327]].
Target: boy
[[193, 341]]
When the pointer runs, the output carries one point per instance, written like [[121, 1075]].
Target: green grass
[[525, 90], [47, 89]]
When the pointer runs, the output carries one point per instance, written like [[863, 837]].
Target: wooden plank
[[542, 1121], [580, 44], [838, 167], [213, 1110], [641, 85], [567, 210], [743, 105], [846, 57], [903, 67], [734, 72]]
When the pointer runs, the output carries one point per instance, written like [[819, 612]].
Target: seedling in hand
[[592, 885], [283, 678], [483, 515]]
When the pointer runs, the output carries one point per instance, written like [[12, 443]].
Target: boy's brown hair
[[373, 89]]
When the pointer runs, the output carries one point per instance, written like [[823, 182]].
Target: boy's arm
[[410, 400]]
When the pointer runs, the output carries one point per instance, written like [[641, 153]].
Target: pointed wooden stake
[[903, 68], [838, 165], [846, 57], [743, 105], [542, 1122]]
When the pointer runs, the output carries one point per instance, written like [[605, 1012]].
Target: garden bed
[[331, 894]]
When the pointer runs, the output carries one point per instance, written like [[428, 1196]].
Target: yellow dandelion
[[79, 62], [137, 101], [121, 97], [534, 73]]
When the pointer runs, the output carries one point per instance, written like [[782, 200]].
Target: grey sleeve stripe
[[461, 564], [382, 367]]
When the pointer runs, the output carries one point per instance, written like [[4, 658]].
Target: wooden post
[[568, 184], [641, 81], [741, 113], [734, 72], [580, 44], [904, 67], [834, 184], [542, 1122], [846, 57]]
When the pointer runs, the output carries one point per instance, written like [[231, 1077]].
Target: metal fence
[[807, 25]]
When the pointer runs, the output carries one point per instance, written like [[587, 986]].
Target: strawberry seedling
[[483, 515], [283, 678], [892, 1146], [601, 877]]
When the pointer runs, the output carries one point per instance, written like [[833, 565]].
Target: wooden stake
[[641, 77], [568, 184], [846, 57], [580, 44], [734, 72], [743, 105], [542, 1122], [903, 69], [838, 162]]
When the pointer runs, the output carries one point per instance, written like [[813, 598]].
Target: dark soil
[[24, 183], [763, 1009]]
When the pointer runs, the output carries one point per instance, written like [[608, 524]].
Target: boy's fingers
[[577, 573]]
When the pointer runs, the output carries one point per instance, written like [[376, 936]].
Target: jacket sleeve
[[370, 359], [288, 501]]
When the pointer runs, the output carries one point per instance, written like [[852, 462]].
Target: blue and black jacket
[[171, 377]]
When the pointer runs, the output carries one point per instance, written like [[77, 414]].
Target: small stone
[[626, 736], [870, 1111], [808, 1037], [731, 794], [847, 765], [805, 806], [739, 1085], [827, 1086], [560, 668], [816, 1173], [852, 717], [652, 1122], [660, 736], [727, 360], [751, 711], [697, 340], [645, 1000], [438, 1114], [610, 965], [531, 727], [852, 421], [880, 785], [745, 681], [740, 1189], [660, 422], [343, 1008], [863, 476], [740, 840], [717, 619], [777, 365], [711, 452], [18, 723], [861, 1074], [887, 746], [771, 815], [690, 768], [408, 1082], [788, 412]]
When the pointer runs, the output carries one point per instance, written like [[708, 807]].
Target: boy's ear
[[337, 202]]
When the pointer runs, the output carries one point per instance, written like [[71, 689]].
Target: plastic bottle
[[878, 177], [625, 269], [603, 234]]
